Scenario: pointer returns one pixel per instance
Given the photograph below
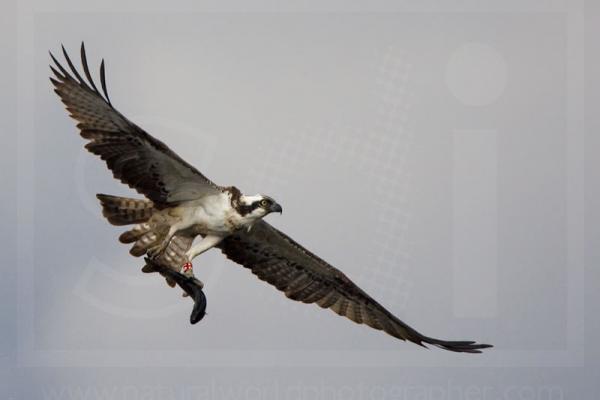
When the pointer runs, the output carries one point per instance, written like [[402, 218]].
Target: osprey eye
[[264, 203]]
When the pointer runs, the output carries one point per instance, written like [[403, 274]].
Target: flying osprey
[[182, 204]]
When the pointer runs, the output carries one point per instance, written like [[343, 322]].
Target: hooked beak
[[276, 208]]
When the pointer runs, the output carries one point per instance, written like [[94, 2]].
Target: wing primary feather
[[112, 136], [56, 73], [86, 69], [59, 66], [73, 69], [103, 82]]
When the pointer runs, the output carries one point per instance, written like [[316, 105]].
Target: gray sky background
[[434, 153]]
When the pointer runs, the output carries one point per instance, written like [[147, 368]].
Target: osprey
[[181, 204]]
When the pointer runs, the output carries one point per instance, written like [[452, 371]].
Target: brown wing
[[135, 157], [274, 257]]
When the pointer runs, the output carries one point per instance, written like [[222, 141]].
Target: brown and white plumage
[[184, 196], [277, 259], [173, 187], [137, 159]]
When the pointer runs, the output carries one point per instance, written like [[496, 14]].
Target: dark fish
[[190, 285]]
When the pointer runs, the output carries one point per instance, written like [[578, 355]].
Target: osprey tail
[[125, 211], [145, 234]]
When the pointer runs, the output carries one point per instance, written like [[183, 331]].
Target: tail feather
[[145, 233], [135, 233], [125, 211], [142, 244]]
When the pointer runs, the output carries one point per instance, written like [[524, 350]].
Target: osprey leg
[[207, 243]]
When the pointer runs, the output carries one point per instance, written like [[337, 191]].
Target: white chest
[[214, 215]]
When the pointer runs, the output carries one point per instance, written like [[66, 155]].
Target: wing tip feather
[[89, 84], [467, 346]]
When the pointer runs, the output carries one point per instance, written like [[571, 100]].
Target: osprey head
[[257, 206]]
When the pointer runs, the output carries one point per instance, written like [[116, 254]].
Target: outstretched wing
[[274, 257], [135, 158]]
